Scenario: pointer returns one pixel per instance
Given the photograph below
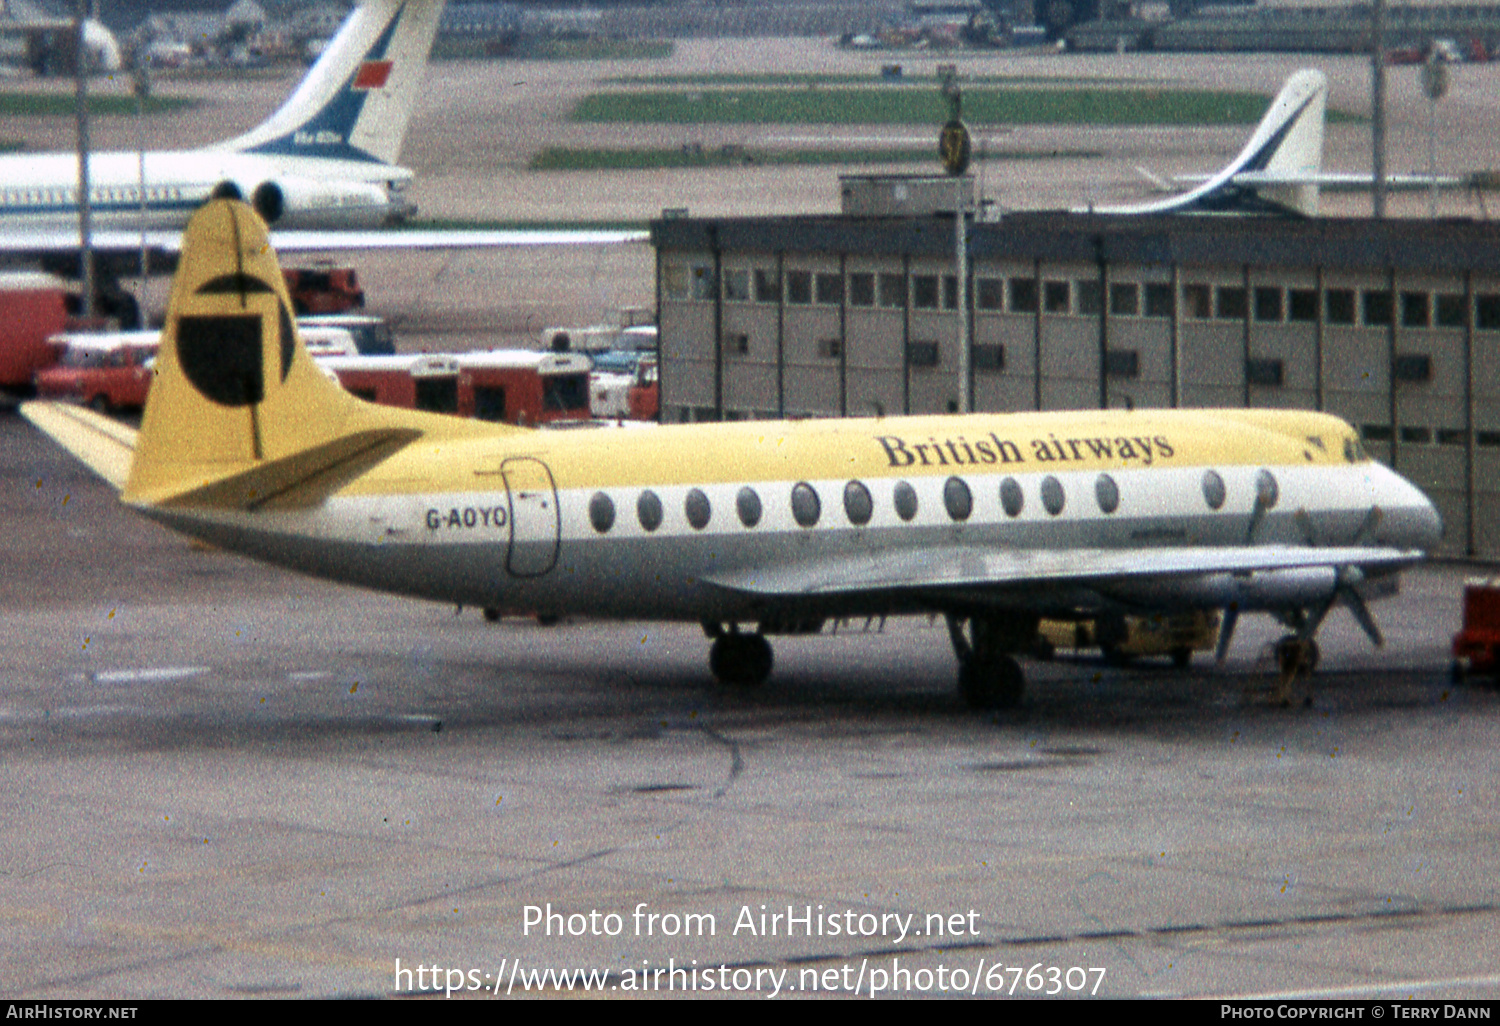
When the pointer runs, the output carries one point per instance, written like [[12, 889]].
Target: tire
[[991, 684], [743, 660], [1182, 657]]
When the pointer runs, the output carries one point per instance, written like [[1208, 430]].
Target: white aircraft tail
[[1278, 169], [356, 101]]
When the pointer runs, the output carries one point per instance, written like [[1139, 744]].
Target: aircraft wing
[[969, 570], [53, 243], [1338, 181]]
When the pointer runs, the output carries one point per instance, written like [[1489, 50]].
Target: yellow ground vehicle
[[1122, 638]]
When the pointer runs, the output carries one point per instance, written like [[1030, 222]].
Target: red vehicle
[[107, 372], [519, 386], [323, 290], [33, 307], [1476, 648], [513, 386]]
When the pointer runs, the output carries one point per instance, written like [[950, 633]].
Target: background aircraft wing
[[1015, 574]]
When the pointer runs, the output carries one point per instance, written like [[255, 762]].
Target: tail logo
[[220, 354], [373, 75]]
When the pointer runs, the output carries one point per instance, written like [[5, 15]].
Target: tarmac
[[224, 780]]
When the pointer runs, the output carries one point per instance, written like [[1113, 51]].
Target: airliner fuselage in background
[[752, 528], [326, 159]]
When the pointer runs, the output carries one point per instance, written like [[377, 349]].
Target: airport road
[[220, 780]]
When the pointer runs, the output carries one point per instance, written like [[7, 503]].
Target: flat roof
[[1063, 237]]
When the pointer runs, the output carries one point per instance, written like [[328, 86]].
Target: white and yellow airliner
[[752, 528]]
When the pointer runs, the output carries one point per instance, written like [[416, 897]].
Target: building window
[[736, 286], [799, 287], [1264, 372], [1268, 304], [950, 292], [1090, 298], [1413, 368], [1302, 304], [1159, 300], [1415, 310], [1058, 297], [1417, 435], [1023, 297], [989, 358], [924, 291], [1338, 306], [703, 281], [1450, 310], [893, 290], [1487, 312], [674, 281], [922, 354], [1231, 303], [1197, 302], [862, 289], [737, 344], [1125, 299], [1377, 308], [1122, 363], [830, 289], [830, 348], [989, 293], [767, 286]]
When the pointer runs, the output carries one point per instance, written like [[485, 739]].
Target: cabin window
[[1107, 493], [648, 510], [858, 506], [1012, 499], [747, 505], [1213, 489], [697, 509], [905, 500], [806, 509], [1266, 490], [957, 499], [601, 512], [1053, 498]]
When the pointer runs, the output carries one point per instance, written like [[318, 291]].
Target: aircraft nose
[[1416, 523]]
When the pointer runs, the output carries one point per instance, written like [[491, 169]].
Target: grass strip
[[64, 104]]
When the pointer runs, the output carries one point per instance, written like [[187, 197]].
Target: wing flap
[[104, 445], [967, 569]]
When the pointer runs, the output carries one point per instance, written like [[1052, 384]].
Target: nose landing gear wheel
[[743, 660]]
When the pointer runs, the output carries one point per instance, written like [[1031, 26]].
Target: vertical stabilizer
[[356, 101], [234, 387]]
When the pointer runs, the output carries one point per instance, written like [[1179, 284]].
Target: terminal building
[[1392, 325]]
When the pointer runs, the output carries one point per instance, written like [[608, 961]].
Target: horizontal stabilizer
[[104, 445], [301, 480], [969, 569]]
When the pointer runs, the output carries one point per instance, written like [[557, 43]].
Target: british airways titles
[[993, 449]]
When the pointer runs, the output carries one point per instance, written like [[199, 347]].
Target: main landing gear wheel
[[995, 682], [1295, 657], [743, 660]]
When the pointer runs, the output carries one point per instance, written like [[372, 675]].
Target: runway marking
[[155, 675]]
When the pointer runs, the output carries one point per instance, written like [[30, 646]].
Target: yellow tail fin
[[238, 412]]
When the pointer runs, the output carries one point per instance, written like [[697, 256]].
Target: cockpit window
[[1354, 452]]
